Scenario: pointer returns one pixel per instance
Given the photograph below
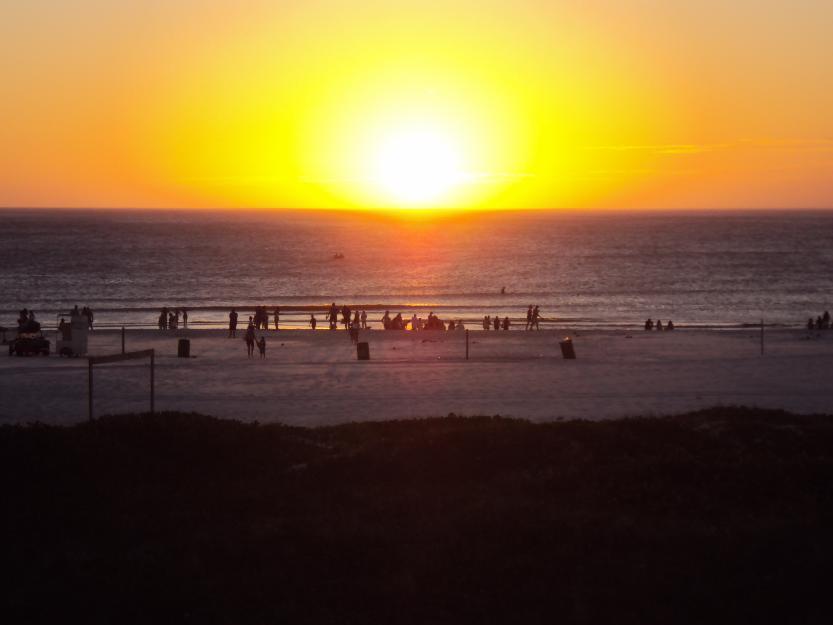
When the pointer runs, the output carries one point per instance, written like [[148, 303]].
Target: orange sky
[[593, 104]]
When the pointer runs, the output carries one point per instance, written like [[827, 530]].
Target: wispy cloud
[[801, 145]]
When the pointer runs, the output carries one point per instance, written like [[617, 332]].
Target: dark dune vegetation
[[722, 516]]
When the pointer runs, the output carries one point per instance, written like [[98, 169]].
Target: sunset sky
[[438, 103]]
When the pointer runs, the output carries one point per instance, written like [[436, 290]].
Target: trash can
[[363, 351], [567, 349], [184, 348]]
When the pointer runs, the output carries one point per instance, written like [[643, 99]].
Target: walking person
[[536, 316], [250, 338], [312, 321], [232, 324], [528, 318], [185, 318], [261, 346], [277, 316]]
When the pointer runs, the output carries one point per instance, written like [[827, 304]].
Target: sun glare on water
[[417, 167]]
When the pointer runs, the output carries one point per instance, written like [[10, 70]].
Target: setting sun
[[417, 166]]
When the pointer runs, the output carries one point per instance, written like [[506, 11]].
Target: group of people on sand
[[261, 318], [822, 322], [650, 325], [351, 319], [497, 324], [169, 319], [26, 322]]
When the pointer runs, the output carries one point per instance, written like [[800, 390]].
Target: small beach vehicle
[[72, 337], [28, 344]]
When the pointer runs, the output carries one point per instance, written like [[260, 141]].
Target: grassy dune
[[724, 515]]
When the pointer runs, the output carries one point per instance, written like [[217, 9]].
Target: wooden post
[[151, 381], [467, 344], [90, 388], [122, 339], [762, 336]]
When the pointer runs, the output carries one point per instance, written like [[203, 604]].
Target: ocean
[[602, 270]]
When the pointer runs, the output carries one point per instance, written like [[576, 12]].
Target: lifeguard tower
[[72, 336]]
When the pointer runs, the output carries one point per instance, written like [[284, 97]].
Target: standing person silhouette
[[250, 338], [277, 316], [528, 318], [364, 320], [312, 321], [185, 318], [333, 318], [536, 316], [232, 323]]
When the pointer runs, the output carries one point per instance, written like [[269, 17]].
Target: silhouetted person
[[185, 318], [536, 316], [486, 322], [277, 317], [669, 325], [649, 324], [506, 323], [250, 338], [261, 346], [357, 322], [232, 323], [452, 325], [364, 320], [528, 318], [659, 325], [810, 324], [497, 323], [312, 321], [386, 320], [163, 320], [333, 317]]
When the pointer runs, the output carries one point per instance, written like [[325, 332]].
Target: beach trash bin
[[363, 351], [184, 348], [567, 349]]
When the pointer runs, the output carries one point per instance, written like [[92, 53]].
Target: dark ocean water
[[717, 269]]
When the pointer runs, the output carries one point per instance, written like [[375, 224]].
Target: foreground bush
[[717, 516]]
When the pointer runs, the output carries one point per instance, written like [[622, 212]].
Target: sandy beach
[[314, 378]]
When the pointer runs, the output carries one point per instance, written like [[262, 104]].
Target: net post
[[762, 336], [90, 389]]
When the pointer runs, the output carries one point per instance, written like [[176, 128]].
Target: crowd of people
[[650, 325], [169, 319], [26, 322], [822, 322]]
